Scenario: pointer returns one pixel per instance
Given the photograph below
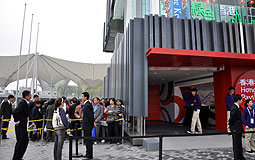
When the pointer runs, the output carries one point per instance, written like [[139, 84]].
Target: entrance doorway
[[170, 97]]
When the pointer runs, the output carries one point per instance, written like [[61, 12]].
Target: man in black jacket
[[87, 124], [20, 115], [6, 111], [71, 115], [236, 127], [36, 114], [31, 105]]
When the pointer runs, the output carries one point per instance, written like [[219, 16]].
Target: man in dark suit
[[71, 112], [236, 127], [6, 111], [20, 115], [87, 124], [31, 105]]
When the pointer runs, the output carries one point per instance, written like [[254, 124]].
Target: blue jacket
[[196, 101], [63, 118], [246, 118], [229, 101]]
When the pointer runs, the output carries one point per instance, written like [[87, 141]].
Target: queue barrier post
[[75, 131], [122, 129], [160, 146], [70, 147], [42, 129], [1, 125]]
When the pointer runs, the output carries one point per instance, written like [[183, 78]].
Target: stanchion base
[[78, 156]]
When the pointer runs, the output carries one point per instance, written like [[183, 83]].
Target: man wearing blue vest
[[229, 102], [196, 105]]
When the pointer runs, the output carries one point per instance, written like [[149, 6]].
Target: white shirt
[[26, 101], [237, 105]]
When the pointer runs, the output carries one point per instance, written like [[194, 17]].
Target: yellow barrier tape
[[35, 120], [76, 119], [121, 119], [34, 129], [8, 120]]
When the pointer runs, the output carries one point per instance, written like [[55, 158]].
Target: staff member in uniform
[[6, 111], [87, 124], [20, 115], [248, 120], [229, 102], [236, 127], [196, 105]]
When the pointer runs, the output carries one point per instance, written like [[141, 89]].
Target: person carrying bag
[[60, 123]]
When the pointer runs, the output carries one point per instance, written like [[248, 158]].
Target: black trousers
[[22, 141], [88, 142], [4, 132], [237, 146], [113, 129]]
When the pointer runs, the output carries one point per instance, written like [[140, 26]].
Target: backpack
[[56, 120]]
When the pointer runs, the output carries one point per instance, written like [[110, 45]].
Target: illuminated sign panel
[[178, 8]]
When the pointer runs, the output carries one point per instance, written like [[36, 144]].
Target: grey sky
[[69, 29]]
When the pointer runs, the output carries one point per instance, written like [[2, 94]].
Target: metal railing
[[159, 136]]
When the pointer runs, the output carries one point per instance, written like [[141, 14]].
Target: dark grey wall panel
[[206, 36], [193, 34], [130, 63], [181, 34], [164, 32], [237, 37], [198, 34], [175, 33], [157, 32], [188, 37], [151, 31], [146, 34], [225, 37], [218, 37], [169, 33], [138, 91], [231, 37], [178, 33], [249, 41]]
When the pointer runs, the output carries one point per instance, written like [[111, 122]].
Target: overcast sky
[[69, 29]]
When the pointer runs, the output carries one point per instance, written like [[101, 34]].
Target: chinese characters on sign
[[226, 10], [247, 89], [239, 19], [198, 9]]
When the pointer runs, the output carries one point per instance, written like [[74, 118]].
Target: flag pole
[[20, 51], [31, 28], [36, 60]]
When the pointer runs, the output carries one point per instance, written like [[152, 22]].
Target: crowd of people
[[103, 118], [78, 117]]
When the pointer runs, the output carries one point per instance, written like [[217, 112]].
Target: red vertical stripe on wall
[[154, 103]]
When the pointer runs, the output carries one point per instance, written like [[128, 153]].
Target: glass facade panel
[[220, 10]]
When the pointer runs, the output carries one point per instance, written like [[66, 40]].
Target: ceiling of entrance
[[163, 76]]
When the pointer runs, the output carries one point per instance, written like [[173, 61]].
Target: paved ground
[[112, 151]]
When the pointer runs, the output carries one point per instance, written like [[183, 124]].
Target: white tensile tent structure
[[50, 70]]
